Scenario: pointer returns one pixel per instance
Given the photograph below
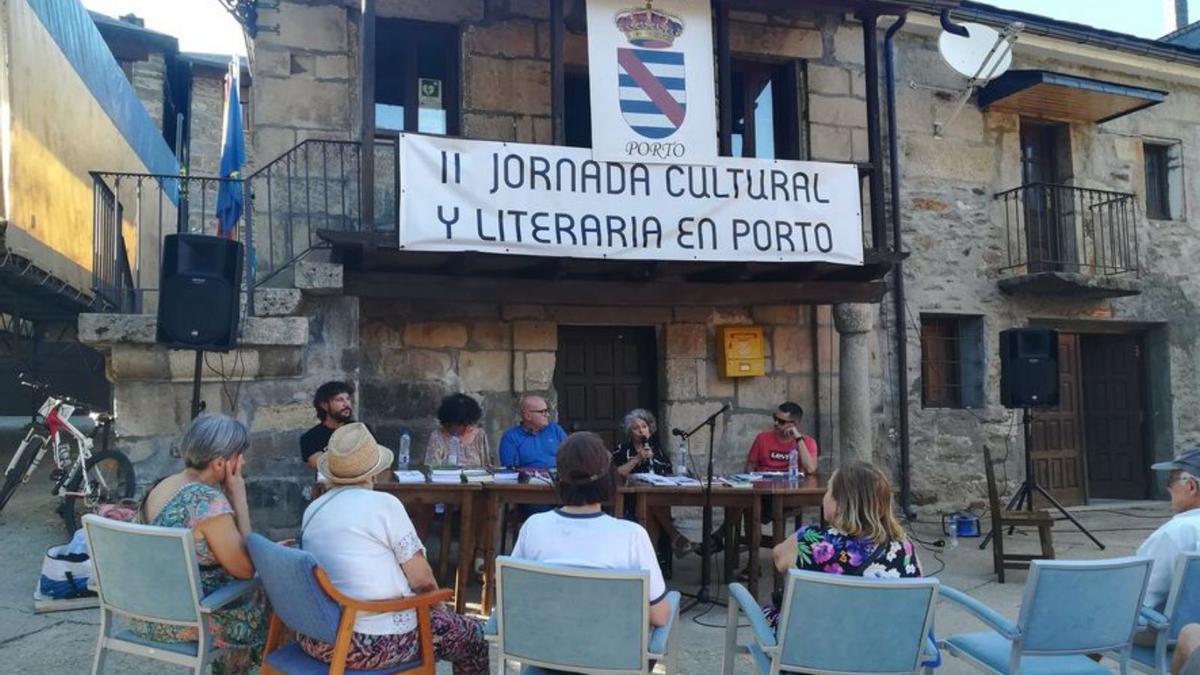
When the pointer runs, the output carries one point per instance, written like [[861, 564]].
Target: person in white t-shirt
[[579, 533], [1180, 534], [366, 542]]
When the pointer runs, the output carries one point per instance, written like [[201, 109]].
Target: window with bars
[[1158, 184], [952, 361]]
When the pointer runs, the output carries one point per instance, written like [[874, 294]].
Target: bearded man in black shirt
[[335, 408]]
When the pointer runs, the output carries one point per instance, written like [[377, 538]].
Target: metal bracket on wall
[[246, 14]]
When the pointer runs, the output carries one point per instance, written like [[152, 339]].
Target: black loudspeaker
[[199, 292], [1028, 367]]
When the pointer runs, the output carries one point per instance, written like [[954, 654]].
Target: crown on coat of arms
[[649, 27]]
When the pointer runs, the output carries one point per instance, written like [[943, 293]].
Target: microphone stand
[[701, 596]]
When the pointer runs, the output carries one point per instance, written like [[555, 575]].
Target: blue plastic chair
[[151, 573], [554, 618], [1070, 609], [1182, 608], [305, 600], [865, 626]]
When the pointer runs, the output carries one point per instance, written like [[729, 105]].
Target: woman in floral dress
[[863, 537], [209, 498]]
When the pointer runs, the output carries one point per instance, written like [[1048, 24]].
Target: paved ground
[[64, 642]]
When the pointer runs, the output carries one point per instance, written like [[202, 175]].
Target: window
[[577, 111], [766, 109], [1158, 180], [952, 361], [416, 76]]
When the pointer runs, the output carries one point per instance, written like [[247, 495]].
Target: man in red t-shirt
[[771, 448]]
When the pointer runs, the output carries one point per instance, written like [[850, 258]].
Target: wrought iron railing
[[1061, 228], [312, 187]]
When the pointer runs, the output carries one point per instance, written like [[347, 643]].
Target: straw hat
[[352, 455]]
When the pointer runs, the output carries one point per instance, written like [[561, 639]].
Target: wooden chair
[[305, 600], [1002, 519]]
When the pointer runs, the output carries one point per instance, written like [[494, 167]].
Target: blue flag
[[233, 155]]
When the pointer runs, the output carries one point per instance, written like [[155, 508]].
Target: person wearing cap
[[1180, 534], [580, 533], [366, 542]]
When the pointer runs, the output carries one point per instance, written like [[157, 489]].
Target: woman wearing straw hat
[[366, 542]]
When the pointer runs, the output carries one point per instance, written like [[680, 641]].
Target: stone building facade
[[405, 353]]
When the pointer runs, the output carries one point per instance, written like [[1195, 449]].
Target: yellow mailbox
[[742, 353]]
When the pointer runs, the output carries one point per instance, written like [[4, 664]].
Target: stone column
[[854, 323]]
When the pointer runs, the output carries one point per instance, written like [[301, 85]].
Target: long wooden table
[[495, 498]]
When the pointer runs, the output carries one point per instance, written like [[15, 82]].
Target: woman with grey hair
[[209, 497], [639, 453]]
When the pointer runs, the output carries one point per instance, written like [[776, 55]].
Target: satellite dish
[[982, 55]]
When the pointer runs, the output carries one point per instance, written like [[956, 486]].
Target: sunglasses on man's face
[[780, 421], [543, 411]]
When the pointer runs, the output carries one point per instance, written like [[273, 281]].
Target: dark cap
[[1188, 461]]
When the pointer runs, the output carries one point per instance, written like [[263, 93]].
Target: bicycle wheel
[[118, 483], [29, 449]]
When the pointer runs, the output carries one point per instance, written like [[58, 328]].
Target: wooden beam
[[436, 288]]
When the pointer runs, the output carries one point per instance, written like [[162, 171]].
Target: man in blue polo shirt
[[532, 444]]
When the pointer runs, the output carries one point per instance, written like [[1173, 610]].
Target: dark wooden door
[[602, 373], [1058, 432], [1043, 211], [1113, 414]]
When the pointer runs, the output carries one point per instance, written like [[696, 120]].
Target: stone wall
[[148, 78], [956, 233], [267, 383], [413, 354]]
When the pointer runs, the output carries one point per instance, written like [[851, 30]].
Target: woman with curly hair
[[458, 439]]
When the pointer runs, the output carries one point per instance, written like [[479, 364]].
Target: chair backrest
[[1183, 602], [144, 571], [572, 618], [288, 576], [993, 491], [865, 626], [1082, 606]]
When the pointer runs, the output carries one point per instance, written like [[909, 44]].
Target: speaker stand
[[198, 406], [1029, 486]]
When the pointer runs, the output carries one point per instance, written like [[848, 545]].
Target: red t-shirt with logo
[[770, 453]]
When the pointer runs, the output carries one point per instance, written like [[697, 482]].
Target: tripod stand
[[1029, 486], [701, 596]]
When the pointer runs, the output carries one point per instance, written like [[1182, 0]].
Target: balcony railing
[[1060, 228], [312, 187]]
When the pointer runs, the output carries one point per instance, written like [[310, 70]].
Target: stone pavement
[[65, 642]]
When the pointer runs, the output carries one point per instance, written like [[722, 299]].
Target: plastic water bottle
[[954, 531], [681, 459], [455, 450], [403, 457], [794, 464]]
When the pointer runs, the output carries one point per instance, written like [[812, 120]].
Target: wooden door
[[601, 374], [1113, 414], [1043, 211], [1058, 432]]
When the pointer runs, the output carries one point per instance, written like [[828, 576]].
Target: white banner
[[464, 195], [650, 68]]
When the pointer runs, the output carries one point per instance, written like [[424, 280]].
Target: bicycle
[[82, 482]]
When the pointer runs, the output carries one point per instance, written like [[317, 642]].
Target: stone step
[[105, 330], [318, 278], [274, 301]]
